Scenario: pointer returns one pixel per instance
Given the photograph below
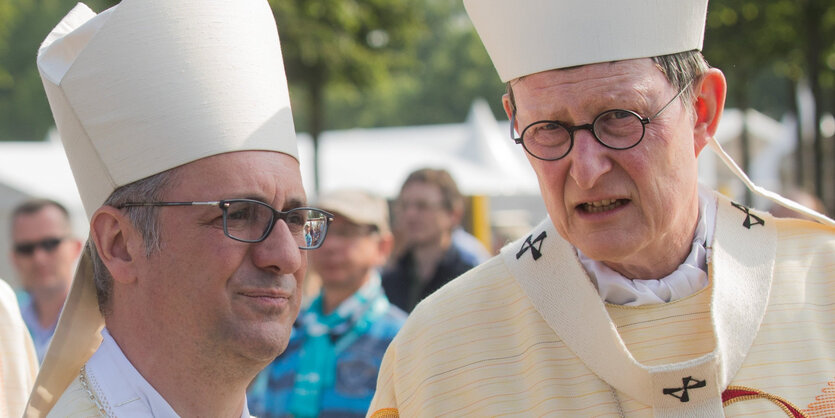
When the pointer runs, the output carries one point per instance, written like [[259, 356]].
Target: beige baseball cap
[[525, 37], [143, 87], [358, 206]]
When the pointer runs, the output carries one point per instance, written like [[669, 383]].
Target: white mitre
[[525, 37], [529, 36], [144, 87]]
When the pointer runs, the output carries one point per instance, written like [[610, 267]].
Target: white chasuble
[[18, 361], [527, 334]]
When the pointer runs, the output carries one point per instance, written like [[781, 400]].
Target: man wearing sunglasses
[[177, 125], [44, 253], [643, 293]]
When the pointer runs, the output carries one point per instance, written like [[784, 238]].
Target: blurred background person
[[44, 253], [331, 364], [471, 248], [427, 211]]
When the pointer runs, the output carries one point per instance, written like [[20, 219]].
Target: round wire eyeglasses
[[617, 129]]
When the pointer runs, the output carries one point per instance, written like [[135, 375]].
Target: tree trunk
[[744, 140], [799, 175], [813, 13], [317, 123]]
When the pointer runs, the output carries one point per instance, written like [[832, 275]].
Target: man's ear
[[508, 107], [385, 245], [116, 242], [77, 246], [708, 104]]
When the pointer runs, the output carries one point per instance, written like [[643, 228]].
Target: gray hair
[[680, 69], [683, 68], [143, 218]]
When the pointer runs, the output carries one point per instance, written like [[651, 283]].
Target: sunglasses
[[28, 248]]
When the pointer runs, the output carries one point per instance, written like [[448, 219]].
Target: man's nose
[[589, 159], [279, 251], [41, 254]]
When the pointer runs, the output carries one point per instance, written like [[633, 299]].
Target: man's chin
[[606, 251], [264, 346]]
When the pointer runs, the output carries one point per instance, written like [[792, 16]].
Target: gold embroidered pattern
[[85, 383], [386, 413], [735, 394]]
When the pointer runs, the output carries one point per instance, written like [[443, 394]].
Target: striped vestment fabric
[[479, 346]]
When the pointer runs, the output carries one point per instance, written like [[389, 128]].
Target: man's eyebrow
[[293, 203], [290, 203]]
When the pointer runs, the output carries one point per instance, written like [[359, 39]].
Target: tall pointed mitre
[[530, 36], [526, 37], [144, 87]]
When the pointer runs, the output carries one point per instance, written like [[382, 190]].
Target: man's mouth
[[598, 206]]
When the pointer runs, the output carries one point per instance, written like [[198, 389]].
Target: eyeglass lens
[[251, 221], [28, 248], [618, 129]]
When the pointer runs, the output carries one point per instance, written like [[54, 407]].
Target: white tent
[[478, 153]]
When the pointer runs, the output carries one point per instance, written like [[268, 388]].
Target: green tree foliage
[[24, 111], [451, 70], [349, 44], [747, 39], [765, 49], [382, 63]]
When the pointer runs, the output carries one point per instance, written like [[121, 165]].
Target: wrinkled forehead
[[613, 72], [602, 80], [264, 175]]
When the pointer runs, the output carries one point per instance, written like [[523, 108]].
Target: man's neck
[[48, 306], [191, 384], [333, 296], [663, 257], [427, 257]]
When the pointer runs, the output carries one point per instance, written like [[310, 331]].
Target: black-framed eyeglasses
[[617, 129], [251, 221], [47, 244]]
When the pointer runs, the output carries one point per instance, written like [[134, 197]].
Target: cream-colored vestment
[[18, 361], [526, 334]]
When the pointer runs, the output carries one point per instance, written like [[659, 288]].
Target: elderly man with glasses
[[176, 121], [643, 293]]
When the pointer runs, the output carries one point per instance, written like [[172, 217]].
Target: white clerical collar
[[119, 388], [687, 279]]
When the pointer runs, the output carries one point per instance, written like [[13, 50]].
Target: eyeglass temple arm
[[512, 127], [130, 204], [680, 92]]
